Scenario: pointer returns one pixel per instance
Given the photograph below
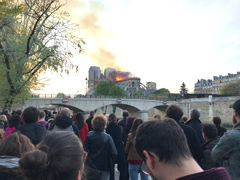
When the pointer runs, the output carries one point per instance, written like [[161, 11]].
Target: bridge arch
[[73, 108]]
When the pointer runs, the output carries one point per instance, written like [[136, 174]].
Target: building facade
[[213, 86], [94, 75]]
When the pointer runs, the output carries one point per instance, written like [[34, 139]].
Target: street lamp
[[86, 80]]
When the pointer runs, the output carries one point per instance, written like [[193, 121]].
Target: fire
[[120, 78]]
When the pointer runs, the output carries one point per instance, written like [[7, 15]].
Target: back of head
[[65, 112], [125, 114], [164, 138], [42, 115], [16, 145], [3, 117], [91, 113], [14, 120], [175, 112], [217, 121], [112, 118], [6, 111], [60, 157], [236, 106], [19, 112], [209, 130], [31, 114], [99, 122], [79, 120], [195, 114], [136, 123]]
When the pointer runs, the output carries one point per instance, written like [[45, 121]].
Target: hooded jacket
[[64, 123]]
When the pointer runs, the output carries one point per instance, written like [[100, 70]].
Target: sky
[[163, 41]]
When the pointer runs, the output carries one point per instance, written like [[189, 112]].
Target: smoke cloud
[[86, 13]]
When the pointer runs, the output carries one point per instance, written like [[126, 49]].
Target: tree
[[32, 42], [103, 88], [61, 95], [183, 89], [232, 88], [161, 91], [117, 91], [138, 93]]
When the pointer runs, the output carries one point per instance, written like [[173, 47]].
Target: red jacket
[[83, 132]]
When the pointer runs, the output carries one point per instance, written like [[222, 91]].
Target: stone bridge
[[138, 107]]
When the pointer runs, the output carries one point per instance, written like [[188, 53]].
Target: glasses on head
[[142, 168]]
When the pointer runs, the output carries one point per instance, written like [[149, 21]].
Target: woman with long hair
[[134, 160], [82, 126], [217, 122], [11, 149], [59, 156]]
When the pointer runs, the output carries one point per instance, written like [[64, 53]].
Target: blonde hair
[[99, 122], [3, 117]]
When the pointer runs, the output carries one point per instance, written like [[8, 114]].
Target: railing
[[104, 97]]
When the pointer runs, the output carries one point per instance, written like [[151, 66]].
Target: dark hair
[[164, 138], [46, 112], [209, 130], [125, 113], [175, 112], [184, 119], [16, 145], [60, 157], [217, 121], [112, 118], [195, 114], [135, 125], [19, 112], [31, 114], [99, 122], [14, 120], [130, 121], [91, 113], [79, 120], [42, 114]]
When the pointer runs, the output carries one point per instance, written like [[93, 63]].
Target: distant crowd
[[36, 145]]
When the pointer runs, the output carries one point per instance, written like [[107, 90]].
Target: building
[[213, 86], [151, 86], [94, 75]]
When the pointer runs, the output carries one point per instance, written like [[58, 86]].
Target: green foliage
[[116, 91], [103, 88], [61, 95], [32, 42], [138, 93], [161, 91], [183, 89], [231, 89]]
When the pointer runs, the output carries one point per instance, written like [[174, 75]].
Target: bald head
[[65, 112]]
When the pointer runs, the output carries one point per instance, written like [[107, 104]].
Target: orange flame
[[120, 78]]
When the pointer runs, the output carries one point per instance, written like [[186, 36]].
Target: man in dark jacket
[[196, 124], [122, 122], [175, 112], [211, 138], [33, 130], [64, 122], [89, 121]]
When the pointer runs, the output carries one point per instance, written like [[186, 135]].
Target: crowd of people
[[38, 144]]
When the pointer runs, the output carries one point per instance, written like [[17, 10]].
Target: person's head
[[42, 115], [16, 145], [112, 118], [15, 120], [46, 112], [125, 114], [79, 120], [157, 116], [209, 131], [31, 114], [65, 112], [3, 117], [130, 121], [161, 142], [236, 111], [195, 114], [99, 122], [216, 121], [19, 112], [60, 156], [2, 135], [135, 125], [74, 117], [6, 111], [184, 119], [91, 113], [175, 112]]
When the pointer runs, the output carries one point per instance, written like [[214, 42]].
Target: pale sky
[[163, 41]]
